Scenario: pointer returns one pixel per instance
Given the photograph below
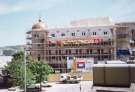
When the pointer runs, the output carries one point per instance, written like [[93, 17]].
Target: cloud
[[27, 5], [6, 8], [122, 9]]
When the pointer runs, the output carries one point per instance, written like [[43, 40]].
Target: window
[[42, 40], [39, 57], [90, 51], [94, 33], [38, 45], [98, 51], [73, 34], [63, 57], [53, 57], [60, 58], [76, 51], [49, 52], [87, 51], [80, 51], [69, 51], [53, 35], [105, 33], [66, 51], [132, 31], [83, 33], [62, 34], [59, 52], [56, 52], [102, 51], [36, 35]]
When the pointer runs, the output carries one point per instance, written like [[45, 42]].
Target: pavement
[[83, 86], [87, 86], [4, 90]]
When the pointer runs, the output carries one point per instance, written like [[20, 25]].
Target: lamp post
[[25, 85]]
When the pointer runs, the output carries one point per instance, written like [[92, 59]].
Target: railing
[[28, 36], [93, 54], [85, 46]]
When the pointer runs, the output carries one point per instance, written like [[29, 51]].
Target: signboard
[[89, 64], [123, 52], [80, 64], [85, 63], [69, 62]]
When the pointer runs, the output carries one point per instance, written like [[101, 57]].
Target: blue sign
[[123, 52]]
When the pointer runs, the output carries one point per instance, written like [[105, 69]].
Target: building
[[101, 21], [55, 44], [81, 40], [125, 35]]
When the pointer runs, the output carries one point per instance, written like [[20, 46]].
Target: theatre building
[[54, 45]]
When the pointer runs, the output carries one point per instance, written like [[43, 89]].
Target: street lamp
[[25, 85]]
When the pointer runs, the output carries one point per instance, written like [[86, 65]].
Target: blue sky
[[17, 16]]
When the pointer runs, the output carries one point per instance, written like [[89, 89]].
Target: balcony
[[29, 37], [28, 43]]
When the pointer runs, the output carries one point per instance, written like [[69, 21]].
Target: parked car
[[33, 88], [66, 78], [44, 84], [15, 89]]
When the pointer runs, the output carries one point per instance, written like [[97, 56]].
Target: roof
[[102, 21], [39, 25]]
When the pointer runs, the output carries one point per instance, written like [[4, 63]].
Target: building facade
[[125, 35], [56, 44]]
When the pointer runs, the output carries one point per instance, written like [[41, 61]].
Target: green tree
[[40, 70], [18, 56], [15, 70], [37, 71]]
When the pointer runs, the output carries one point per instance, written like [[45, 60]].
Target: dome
[[39, 25]]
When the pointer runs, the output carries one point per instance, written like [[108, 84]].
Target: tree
[[37, 71], [40, 70], [15, 70]]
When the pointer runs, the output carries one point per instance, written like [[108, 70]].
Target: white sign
[[70, 62]]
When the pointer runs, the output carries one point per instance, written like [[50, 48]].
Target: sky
[[17, 16]]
